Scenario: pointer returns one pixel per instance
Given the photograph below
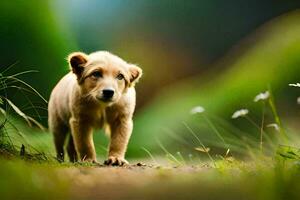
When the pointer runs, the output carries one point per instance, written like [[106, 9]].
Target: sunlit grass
[[31, 141], [270, 144]]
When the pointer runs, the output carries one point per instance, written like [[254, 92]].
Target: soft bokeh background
[[213, 53]]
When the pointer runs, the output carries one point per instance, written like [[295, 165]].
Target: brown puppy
[[98, 93]]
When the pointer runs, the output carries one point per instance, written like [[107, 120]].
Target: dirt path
[[137, 182], [24, 180]]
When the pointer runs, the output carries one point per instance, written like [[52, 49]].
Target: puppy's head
[[103, 76]]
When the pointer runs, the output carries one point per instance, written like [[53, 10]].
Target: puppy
[[97, 93]]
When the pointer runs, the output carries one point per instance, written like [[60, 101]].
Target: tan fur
[[77, 105]]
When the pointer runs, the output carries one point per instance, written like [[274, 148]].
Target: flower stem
[[276, 116], [262, 127]]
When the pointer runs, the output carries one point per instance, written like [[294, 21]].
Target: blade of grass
[[9, 67], [216, 131], [29, 86], [18, 74], [198, 139], [150, 155], [276, 116], [168, 153]]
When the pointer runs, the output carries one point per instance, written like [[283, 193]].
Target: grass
[[229, 164], [14, 137]]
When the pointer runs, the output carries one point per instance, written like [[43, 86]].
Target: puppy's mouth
[[105, 99]]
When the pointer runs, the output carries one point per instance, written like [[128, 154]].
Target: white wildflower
[[274, 125], [262, 96], [294, 85], [240, 113], [197, 109]]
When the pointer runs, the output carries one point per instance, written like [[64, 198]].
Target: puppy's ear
[[135, 74], [77, 60]]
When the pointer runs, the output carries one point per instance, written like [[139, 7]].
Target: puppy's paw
[[115, 161], [90, 160]]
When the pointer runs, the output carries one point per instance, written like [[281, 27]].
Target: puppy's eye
[[120, 77], [96, 74]]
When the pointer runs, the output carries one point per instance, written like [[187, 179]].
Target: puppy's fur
[[97, 93]]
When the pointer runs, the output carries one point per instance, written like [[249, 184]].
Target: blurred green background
[[216, 54]]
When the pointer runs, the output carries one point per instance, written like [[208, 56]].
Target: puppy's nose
[[108, 93]]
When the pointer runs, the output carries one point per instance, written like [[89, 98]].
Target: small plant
[[7, 124]]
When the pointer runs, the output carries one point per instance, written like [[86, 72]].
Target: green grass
[[17, 138], [22, 180]]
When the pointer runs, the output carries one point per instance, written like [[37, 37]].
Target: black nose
[[108, 93]]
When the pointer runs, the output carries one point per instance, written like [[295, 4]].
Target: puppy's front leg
[[120, 133], [82, 134]]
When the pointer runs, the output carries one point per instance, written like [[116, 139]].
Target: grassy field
[[31, 172]]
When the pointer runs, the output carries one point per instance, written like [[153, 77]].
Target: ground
[[127, 182], [229, 179]]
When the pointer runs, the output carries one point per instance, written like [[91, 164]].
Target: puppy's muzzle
[[107, 95]]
